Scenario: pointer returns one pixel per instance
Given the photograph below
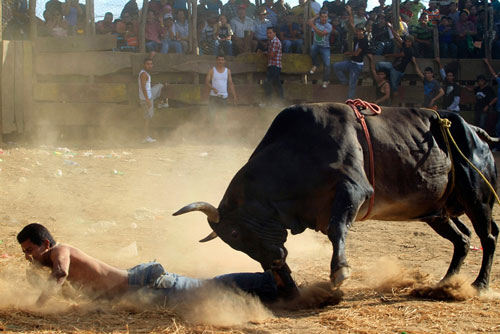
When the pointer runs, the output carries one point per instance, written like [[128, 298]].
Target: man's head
[[429, 73], [151, 16], [408, 40], [108, 17], [126, 17], [220, 59], [271, 33], [262, 13], [360, 31], [481, 80], [35, 241], [323, 16], [450, 76], [180, 15], [432, 5], [381, 75], [423, 18], [381, 3], [464, 15], [242, 11], [453, 7], [148, 64], [269, 3]]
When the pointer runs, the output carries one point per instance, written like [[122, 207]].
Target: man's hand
[[370, 57], [486, 108], [149, 103], [348, 9], [215, 90]]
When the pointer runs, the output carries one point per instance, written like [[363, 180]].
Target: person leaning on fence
[[432, 88], [382, 86], [274, 54], [219, 82], [354, 66], [321, 44], [485, 100], [147, 96], [244, 29], [170, 36], [451, 98], [291, 35]]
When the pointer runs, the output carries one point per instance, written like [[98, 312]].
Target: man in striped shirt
[[273, 64]]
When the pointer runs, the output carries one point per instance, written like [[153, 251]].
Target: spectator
[[180, 5], [261, 24], [170, 36], [72, 11], [274, 53], [230, 10], [130, 38], [182, 27], [382, 85], [354, 66], [160, 8], [271, 14], [321, 44], [207, 35], [18, 26], [299, 9], [53, 6], [130, 8], [453, 13], [447, 48], [485, 99], [335, 7], [451, 98], [152, 32], [290, 35], [123, 25], [432, 13], [381, 9], [219, 82], [397, 68], [243, 28], [250, 9], [473, 14], [432, 89], [497, 79], [416, 7], [359, 17], [106, 26], [423, 34], [214, 7], [223, 35], [281, 9], [338, 37], [55, 25], [465, 31], [381, 37], [479, 47]]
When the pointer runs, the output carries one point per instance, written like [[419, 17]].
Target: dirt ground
[[115, 201]]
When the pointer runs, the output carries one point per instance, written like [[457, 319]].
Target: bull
[[311, 171]]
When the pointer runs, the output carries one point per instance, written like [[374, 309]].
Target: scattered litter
[[129, 160], [1, 242], [69, 156], [126, 153], [22, 179], [70, 163], [1, 160], [57, 153], [4, 256], [1, 151], [63, 149], [204, 154], [99, 156], [129, 251], [152, 174], [88, 154], [38, 163], [133, 225], [117, 172], [474, 248], [58, 173]]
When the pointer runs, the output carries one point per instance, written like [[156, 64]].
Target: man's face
[[180, 15], [220, 61], [148, 65], [241, 13], [481, 83], [33, 252], [381, 76], [408, 43], [269, 3], [423, 19], [428, 75], [108, 17], [323, 18], [262, 16], [382, 3], [151, 16], [453, 7], [360, 33], [360, 11], [270, 34], [126, 18], [450, 77]]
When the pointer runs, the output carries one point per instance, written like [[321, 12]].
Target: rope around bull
[[445, 125]]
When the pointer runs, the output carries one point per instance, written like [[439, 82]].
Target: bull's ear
[[209, 237]]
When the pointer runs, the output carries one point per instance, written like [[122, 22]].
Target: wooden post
[[488, 24], [395, 18], [306, 29], [87, 18], [190, 25], [196, 49], [435, 41], [32, 16], [1, 72], [91, 17], [142, 26]]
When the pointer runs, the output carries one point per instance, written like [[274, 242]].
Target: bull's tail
[[484, 135]]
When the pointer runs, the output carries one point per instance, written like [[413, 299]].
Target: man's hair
[[272, 28], [323, 11], [450, 71], [36, 233], [481, 77], [146, 60], [220, 54], [429, 69], [108, 13]]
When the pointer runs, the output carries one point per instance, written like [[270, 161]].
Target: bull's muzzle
[[208, 209]]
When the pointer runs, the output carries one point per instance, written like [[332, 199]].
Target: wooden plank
[[56, 92], [471, 68], [19, 87], [76, 43], [142, 26], [33, 21], [8, 60], [28, 85], [88, 63]]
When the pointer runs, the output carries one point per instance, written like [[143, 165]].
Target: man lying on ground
[[99, 279]]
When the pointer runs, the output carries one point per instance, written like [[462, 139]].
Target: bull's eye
[[234, 234]]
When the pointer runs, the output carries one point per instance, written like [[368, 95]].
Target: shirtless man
[[97, 278]]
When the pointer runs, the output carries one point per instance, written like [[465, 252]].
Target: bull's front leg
[[349, 197]]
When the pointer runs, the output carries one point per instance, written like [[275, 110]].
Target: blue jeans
[[295, 45], [353, 69], [325, 55], [152, 46], [153, 276], [168, 43], [447, 50], [273, 79], [227, 46], [394, 76], [381, 48]]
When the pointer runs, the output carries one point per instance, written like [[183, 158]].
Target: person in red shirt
[[274, 52]]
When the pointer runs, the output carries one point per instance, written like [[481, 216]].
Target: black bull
[[311, 171]]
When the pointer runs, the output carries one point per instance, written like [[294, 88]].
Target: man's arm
[[397, 38], [348, 9], [313, 26], [490, 68], [60, 257], [372, 65], [144, 80], [231, 86], [441, 69], [208, 81], [417, 69], [437, 97]]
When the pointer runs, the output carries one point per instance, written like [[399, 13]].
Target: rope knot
[[445, 123]]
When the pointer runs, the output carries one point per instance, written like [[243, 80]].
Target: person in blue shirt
[[291, 35]]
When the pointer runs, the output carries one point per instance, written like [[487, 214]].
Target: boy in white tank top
[[219, 81]]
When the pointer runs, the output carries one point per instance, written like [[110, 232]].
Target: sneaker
[[325, 84], [162, 105], [312, 70], [148, 139]]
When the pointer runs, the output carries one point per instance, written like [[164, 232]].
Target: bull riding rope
[[376, 110]]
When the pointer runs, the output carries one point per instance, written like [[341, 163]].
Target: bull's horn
[[209, 237], [208, 209]]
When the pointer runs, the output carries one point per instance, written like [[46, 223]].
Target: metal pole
[[142, 26]]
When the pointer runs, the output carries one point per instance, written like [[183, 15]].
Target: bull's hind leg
[[487, 231], [348, 198], [459, 235]]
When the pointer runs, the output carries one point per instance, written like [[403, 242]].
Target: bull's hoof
[[338, 277]]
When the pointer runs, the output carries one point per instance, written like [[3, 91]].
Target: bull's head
[[250, 229]]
